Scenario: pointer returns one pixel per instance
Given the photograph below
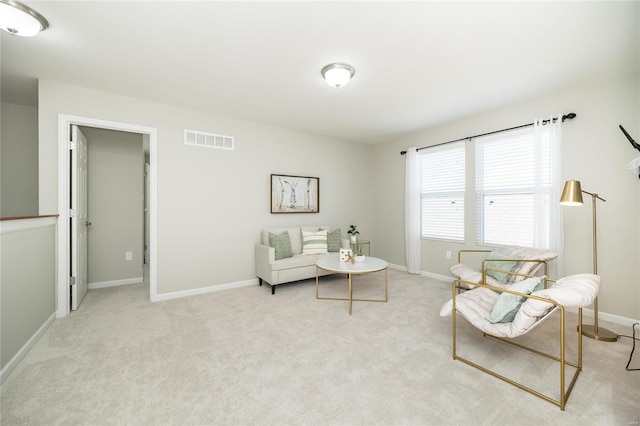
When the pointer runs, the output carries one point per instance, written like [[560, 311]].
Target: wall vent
[[208, 140]]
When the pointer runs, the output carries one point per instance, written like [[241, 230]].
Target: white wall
[[212, 204], [115, 205], [27, 255], [595, 152], [19, 152]]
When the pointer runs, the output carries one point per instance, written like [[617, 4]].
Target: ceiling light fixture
[[337, 74], [21, 20]]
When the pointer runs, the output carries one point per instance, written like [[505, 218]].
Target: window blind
[[442, 196], [513, 186]]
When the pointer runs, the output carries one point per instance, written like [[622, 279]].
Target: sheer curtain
[[549, 137], [412, 211]]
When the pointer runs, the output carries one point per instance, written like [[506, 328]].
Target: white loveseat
[[299, 266]]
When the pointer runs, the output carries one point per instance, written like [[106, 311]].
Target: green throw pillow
[[508, 304], [333, 241], [504, 266], [282, 244]]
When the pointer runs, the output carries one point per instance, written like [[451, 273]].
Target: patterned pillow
[[333, 241], [314, 242], [282, 244]]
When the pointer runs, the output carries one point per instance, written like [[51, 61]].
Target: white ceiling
[[417, 63]]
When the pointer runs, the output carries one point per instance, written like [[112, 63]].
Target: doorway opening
[[65, 255]]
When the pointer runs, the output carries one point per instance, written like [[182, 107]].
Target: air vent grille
[[208, 140]]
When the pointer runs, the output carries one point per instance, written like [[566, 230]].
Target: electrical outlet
[[128, 255], [448, 254]]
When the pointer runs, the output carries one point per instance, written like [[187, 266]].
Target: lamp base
[[602, 334]]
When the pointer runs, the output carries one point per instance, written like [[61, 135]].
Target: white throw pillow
[[314, 242]]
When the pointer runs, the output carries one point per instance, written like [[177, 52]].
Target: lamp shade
[[571, 194], [21, 20], [337, 74]]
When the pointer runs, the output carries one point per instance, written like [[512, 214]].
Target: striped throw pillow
[[314, 242]]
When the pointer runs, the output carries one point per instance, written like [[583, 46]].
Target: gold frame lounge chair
[[480, 305]]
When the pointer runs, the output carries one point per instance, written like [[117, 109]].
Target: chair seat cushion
[[527, 253], [476, 305], [573, 291], [465, 273]]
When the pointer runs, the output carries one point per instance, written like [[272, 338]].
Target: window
[[442, 195], [513, 188]]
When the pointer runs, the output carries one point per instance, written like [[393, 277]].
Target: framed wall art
[[295, 194]]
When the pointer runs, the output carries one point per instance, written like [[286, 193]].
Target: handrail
[[28, 217], [27, 222]]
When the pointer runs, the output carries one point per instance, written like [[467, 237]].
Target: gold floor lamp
[[572, 196]]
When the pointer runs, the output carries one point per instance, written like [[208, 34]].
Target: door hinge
[[72, 280], [72, 212], [72, 145]]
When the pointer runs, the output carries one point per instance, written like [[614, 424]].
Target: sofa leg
[[273, 289], [260, 281]]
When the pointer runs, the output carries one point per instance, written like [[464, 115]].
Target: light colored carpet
[[245, 357]]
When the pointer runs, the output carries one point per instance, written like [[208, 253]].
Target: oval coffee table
[[333, 264]]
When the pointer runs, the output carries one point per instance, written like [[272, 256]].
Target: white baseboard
[[105, 284], [603, 316], [25, 349], [438, 277], [398, 267], [203, 290], [444, 278]]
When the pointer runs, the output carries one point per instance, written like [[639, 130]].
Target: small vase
[[360, 258], [354, 239]]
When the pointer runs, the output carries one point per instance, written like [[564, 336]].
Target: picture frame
[[295, 194]]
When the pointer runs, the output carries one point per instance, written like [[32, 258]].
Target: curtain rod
[[569, 116]]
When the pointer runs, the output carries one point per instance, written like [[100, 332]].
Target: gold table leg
[[350, 295], [350, 298]]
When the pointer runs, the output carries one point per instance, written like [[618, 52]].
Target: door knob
[[87, 224]]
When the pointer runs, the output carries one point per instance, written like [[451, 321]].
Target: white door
[[78, 217]]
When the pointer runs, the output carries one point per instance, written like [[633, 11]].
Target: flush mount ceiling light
[[21, 20], [337, 74]]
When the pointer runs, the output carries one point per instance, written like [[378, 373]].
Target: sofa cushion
[[314, 242], [282, 245], [297, 261]]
